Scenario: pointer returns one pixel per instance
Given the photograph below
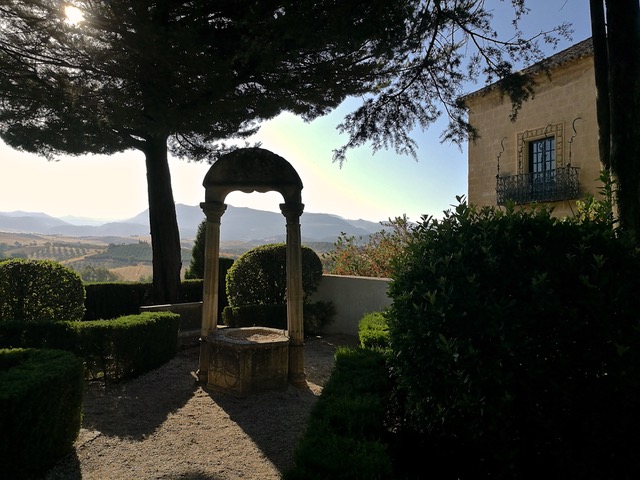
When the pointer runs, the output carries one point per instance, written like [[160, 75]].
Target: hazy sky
[[372, 187]]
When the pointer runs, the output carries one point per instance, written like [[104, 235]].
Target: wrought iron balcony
[[549, 186]]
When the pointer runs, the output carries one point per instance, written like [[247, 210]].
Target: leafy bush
[[33, 290], [516, 343], [40, 409], [373, 257], [259, 277], [373, 331]]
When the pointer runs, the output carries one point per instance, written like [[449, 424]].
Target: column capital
[[292, 211], [213, 210]]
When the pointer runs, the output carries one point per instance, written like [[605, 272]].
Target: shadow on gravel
[[276, 420], [137, 407]]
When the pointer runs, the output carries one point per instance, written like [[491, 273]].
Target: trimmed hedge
[[40, 409], [345, 437], [113, 300], [373, 331], [110, 349], [34, 290], [127, 346]]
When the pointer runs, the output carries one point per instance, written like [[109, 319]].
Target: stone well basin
[[248, 359]]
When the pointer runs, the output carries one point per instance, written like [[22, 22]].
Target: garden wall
[[353, 297]]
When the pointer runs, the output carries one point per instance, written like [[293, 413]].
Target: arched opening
[[253, 170]]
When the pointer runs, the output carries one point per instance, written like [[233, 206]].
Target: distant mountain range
[[238, 224]]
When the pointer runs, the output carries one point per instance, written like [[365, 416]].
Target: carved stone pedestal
[[247, 360]]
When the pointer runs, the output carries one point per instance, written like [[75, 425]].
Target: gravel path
[[163, 425]]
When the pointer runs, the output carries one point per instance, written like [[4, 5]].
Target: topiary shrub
[[35, 290], [259, 277], [516, 343], [40, 409]]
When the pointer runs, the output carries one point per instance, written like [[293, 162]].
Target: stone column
[[213, 212], [295, 327]]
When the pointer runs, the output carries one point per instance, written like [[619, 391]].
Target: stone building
[[550, 153]]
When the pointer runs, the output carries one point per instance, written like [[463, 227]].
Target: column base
[[297, 376]]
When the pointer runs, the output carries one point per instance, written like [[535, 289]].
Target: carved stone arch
[[253, 170]]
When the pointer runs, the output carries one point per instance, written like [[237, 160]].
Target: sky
[[371, 187]]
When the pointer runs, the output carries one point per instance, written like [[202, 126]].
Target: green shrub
[[127, 346], [33, 290], [196, 267], [40, 409], [373, 331], [315, 316], [112, 300], [345, 438], [259, 277], [516, 340], [110, 349], [42, 334]]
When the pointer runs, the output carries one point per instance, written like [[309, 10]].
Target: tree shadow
[[137, 407], [276, 420]]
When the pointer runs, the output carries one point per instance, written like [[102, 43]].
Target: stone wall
[[352, 297]]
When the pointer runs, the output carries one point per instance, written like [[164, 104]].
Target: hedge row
[[40, 409], [110, 349], [113, 300], [346, 435]]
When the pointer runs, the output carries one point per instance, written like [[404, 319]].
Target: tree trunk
[[601, 67], [623, 40], [165, 237]]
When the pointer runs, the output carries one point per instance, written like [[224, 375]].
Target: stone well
[[248, 359]]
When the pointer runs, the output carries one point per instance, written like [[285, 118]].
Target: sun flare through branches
[[74, 15]]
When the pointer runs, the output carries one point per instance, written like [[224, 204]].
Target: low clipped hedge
[[373, 331], [346, 434], [315, 316], [40, 409], [127, 346], [110, 349]]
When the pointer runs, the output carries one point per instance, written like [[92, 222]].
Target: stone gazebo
[[252, 170]]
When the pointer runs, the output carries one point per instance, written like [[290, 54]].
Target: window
[[542, 155], [541, 174]]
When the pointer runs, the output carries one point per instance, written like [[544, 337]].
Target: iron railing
[[549, 186]]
